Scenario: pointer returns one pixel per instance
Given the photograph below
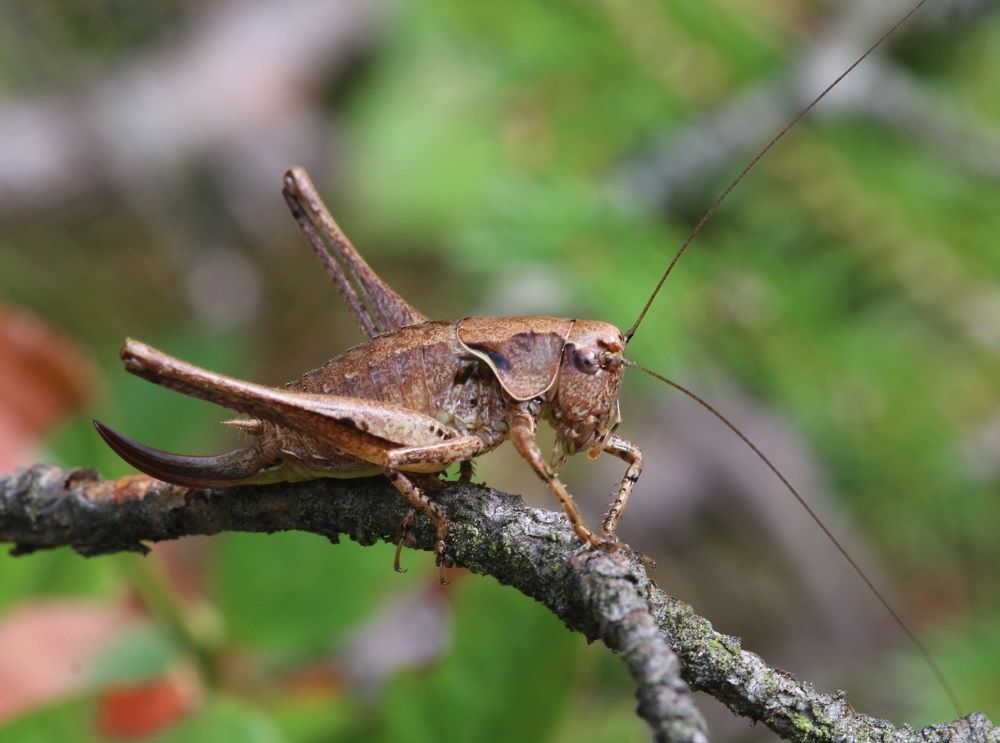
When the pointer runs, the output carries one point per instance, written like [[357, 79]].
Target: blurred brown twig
[[242, 80]]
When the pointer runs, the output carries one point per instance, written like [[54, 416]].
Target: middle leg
[[443, 453]]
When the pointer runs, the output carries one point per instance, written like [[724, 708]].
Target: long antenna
[[756, 159], [921, 648]]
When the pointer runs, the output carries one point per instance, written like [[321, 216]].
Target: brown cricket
[[417, 397], [422, 395]]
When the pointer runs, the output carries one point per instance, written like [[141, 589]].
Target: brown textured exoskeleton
[[414, 399]]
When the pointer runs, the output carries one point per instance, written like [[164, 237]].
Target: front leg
[[630, 453], [522, 433]]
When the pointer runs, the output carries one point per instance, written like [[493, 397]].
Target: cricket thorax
[[569, 370]]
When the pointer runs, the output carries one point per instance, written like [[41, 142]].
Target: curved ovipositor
[[233, 468]]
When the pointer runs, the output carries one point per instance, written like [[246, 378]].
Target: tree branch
[[604, 595]]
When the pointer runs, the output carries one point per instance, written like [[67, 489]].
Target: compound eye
[[586, 361]]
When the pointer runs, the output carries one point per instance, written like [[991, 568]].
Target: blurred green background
[[488, 158]]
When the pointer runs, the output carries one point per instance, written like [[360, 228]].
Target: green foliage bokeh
[[837, 285]]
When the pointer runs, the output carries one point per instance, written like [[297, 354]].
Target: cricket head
[[585, 401]]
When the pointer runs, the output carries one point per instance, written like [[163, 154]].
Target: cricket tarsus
[[404, 536], [753, 163], [921, 648]]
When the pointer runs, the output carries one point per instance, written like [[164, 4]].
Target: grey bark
[[605, 595]]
